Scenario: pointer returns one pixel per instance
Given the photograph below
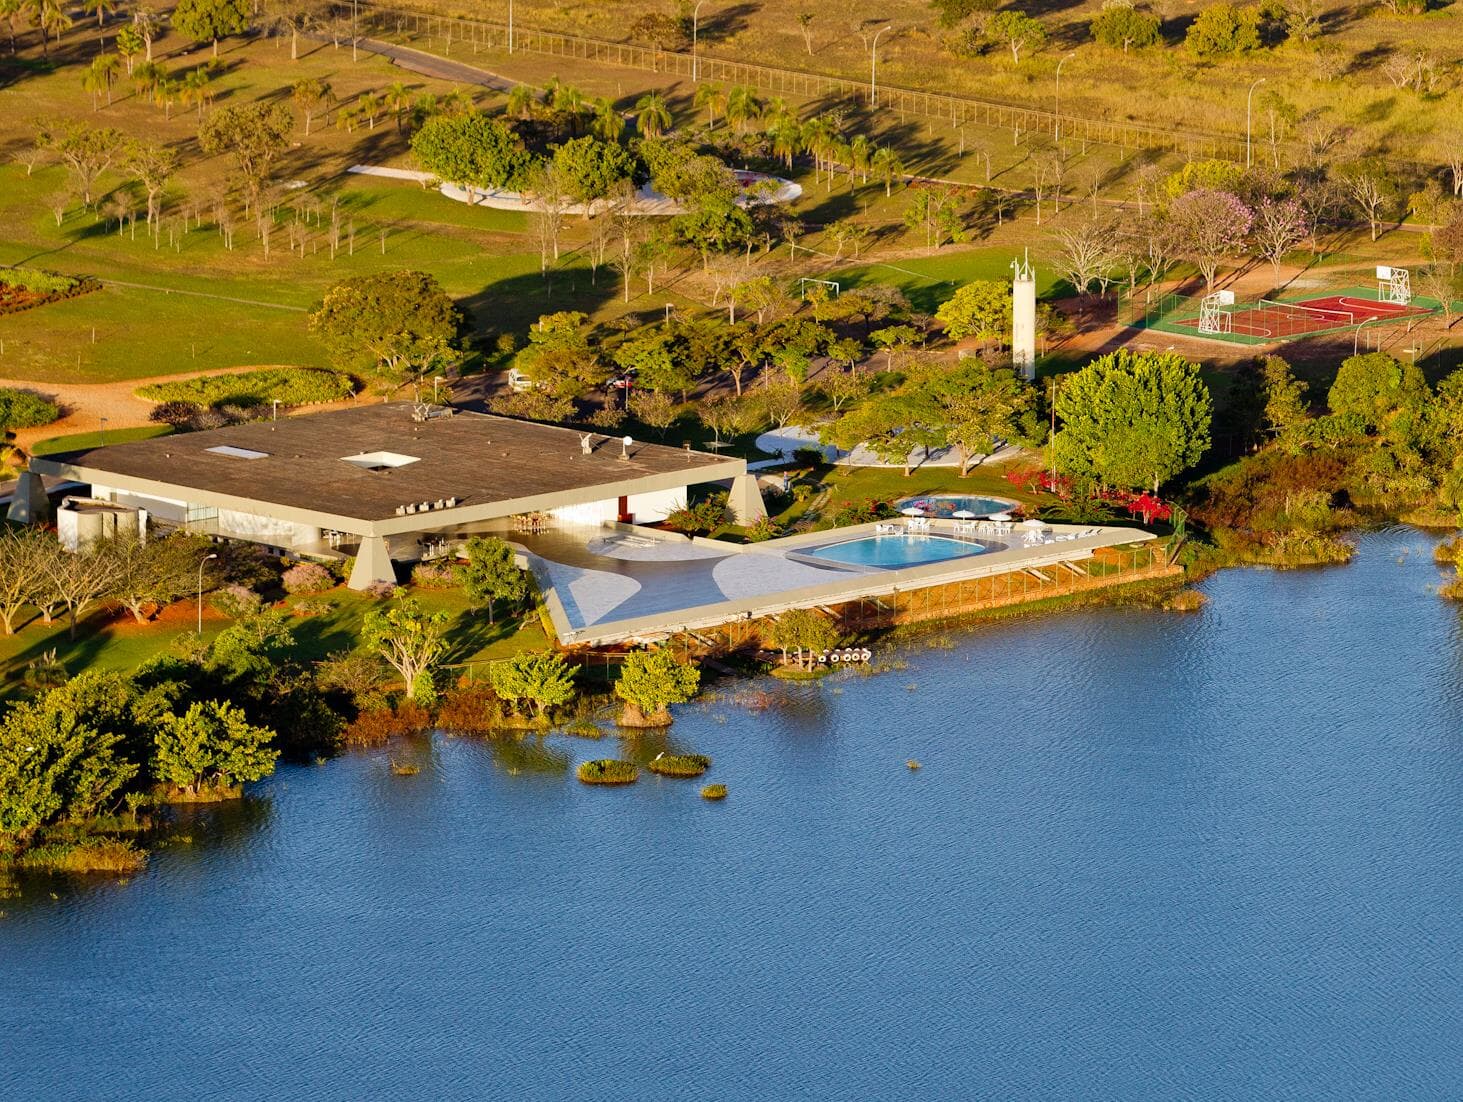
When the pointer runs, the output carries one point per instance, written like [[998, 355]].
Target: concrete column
[[373, 564], [30, 504], [745, 500]]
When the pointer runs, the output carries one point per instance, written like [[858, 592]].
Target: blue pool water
[[944, 505], [896, 550], [1150, 857]]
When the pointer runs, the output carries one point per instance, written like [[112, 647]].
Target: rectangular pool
[[894, 551]]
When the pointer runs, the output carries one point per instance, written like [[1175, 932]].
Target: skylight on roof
[[237, 453], [380, 461]]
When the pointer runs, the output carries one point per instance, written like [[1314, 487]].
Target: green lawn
[[108, 641], [930, 280], [78, 440]]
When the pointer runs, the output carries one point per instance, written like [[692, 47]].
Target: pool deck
[[651, 584]]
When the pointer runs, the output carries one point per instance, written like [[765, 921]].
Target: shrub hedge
[[24, 288], [24, 409], [290, 386]]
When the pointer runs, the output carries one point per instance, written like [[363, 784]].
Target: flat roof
[[367, 462]]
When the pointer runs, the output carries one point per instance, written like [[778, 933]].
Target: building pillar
[[373, 564], [29, 505], [745, 500], [1023, 319]]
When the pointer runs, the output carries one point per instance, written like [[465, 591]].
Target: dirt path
[[83, 405]]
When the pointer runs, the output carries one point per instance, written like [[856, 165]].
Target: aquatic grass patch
[[289, 386], [97, 855], [608, 771], [679, 765], [713, 792]]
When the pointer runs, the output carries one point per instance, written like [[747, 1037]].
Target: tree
[[152, 573], [953, 12], [309, 94], [491, 575], [803, 630], [129, 45], [211, 749], [981, 309], [24, 554], [1223, 29], [1018, 31], [149, 25], [978, 407], [551, 198], [412, 642], [1280, 225], [253, 134], [1284, 394], [712, 97], [472, 150], [935, 212], [294, 17], [887, 166], [51, 18], [805, 24], [76, 581], [743, 106], [99, 77], [390, 323], [1088, 255], [590, 168], [760, 295], [1122, 25], [210, 20], [715, 225], [1208, 226], [652, 115], [54, 767], [727, 413], [86, 151], [657, 410], [154, 166], [1378, 388], [889, 425], [1133, 419], [1303, 19], [1371, 188], [559, 357], [541, 678], [649, 682]]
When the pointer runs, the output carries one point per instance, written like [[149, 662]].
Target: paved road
[[430, 65]]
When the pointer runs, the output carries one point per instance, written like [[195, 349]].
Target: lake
[[1148, 856]]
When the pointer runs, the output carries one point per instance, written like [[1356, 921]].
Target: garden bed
[[27, 288]]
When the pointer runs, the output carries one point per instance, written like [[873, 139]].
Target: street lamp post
[[1057, 125], [274, 402], [202, 563], [510, 26], [695, 35], [104, 432], [435, 380], [355, 34], [1249, 103], [874, 67]]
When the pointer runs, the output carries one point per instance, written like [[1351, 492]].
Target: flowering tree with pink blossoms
[[1209, 225], [1280, 225]]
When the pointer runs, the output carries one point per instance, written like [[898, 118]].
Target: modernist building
[[383, 482]]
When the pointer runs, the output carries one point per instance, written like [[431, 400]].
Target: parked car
[[518, 381]]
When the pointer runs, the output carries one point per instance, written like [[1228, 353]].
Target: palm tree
[[742, 106], [713, 99], [398, 100], [787, 139], [459, 101], [567, 98], [195, 88], [523, 101], [886, 163], [166, 93], [13, 11], [860, 150], [101, 7], [51, 17], [608, 125], [146, 76], [819, 134], [101, 76], [653, 116]]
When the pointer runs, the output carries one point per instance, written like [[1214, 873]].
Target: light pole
[[202, 563], [1249, 103], [1057, 125], [510, 26], [355, 34], [874, 67], [695, 34], [275, 403], [104, 432], [435, 380]]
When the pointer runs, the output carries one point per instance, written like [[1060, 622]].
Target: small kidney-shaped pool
[[893, 551]]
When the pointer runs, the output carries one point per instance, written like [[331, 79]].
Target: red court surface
[[1312, 315]]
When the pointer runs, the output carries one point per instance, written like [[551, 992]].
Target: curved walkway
[[784, 442]]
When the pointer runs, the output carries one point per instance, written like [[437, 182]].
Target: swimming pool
[[894, 551], [945, 505]]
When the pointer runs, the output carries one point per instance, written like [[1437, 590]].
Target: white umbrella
[[999, 516], [913, 511], [1034, 523], [963, 514]]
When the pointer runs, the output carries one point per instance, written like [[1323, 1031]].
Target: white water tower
[[1023, 318]]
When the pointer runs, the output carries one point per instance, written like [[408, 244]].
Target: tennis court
[[1262, 321]]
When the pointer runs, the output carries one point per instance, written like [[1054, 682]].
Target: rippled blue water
[[1148, 857], [896, 550]]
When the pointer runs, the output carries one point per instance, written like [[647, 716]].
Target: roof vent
[[236, 453], [380, 461]]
